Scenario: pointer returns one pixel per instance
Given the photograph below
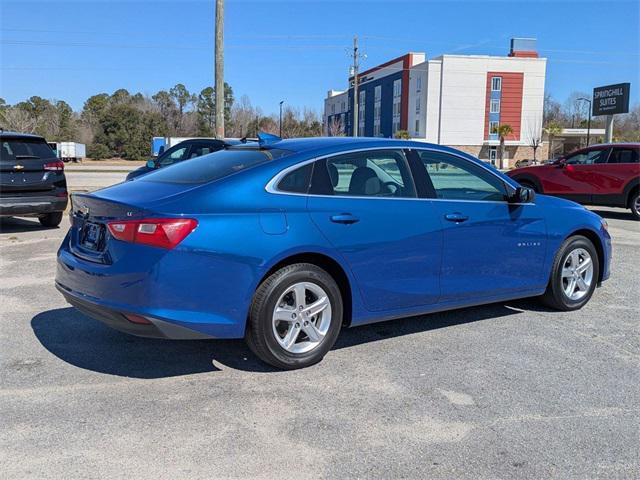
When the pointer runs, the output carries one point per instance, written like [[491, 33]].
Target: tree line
[[122, 124], [574, 113]]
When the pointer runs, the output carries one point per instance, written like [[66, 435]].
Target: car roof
[[9, 133], [622, 144], [311, 144]]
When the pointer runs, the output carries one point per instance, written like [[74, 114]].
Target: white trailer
[[71, 151]]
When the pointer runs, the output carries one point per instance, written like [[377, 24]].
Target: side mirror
[[151, 164], [523, 195]]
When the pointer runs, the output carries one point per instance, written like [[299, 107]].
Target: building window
[[397, 99], [493, 155], [418, 106], [333, 108], [495, 106], [397, 87], [417, 129], [418, 84], [377, 96], [343, 105], [361, 112], [496, 84], [493, 128]]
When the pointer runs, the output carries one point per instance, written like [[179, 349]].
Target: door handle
[[345, 218], [456, 217]]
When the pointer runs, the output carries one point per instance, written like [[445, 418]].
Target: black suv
[[32, 181], [183, 151]]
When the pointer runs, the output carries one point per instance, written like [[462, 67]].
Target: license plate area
[[92, 236]]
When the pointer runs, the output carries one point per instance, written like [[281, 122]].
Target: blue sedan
[[284, 242]]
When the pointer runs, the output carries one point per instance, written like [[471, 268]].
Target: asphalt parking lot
[[500, 391]]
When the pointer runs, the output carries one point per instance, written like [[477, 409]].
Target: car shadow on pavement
[[88, 344], [615, 214], [18, 225]]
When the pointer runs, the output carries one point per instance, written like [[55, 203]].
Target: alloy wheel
[[302, 317], [577, 274]]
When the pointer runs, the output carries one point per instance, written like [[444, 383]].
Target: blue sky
[[295, 50]]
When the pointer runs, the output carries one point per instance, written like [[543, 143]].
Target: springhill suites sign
[[611, 99]]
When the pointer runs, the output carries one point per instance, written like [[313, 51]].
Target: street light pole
[[588, 121], [281, 102]]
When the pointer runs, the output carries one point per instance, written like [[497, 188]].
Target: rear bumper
[[168, 288], [28, 205], [118, 321]]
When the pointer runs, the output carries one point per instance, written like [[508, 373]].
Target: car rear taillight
[[54, 166], [157, 232]]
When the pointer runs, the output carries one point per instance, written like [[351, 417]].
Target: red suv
[[607, 175]]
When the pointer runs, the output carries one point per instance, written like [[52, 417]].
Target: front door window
[[587, 158], [456, 179], [172, 156]]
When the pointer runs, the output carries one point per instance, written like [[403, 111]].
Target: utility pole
[[356, 59], [219, 68]]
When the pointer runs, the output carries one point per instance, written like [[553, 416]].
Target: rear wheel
[[634, 204], [295, 317], [51, 220], [574, 275]]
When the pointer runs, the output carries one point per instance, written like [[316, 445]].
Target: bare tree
[[336, 128], [576, 110], [534, 135], [243, 117], [17, 119]]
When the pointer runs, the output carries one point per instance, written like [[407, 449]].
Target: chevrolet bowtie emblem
[[18, 167]]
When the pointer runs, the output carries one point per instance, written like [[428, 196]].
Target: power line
[[35, 43]]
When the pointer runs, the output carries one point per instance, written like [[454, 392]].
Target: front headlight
[[605, 224]]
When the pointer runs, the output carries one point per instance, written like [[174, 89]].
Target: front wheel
[[634, 204], [530, 185], [574, 275], [295, 317], [51, 220]]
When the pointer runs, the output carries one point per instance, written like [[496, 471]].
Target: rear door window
[[371, 173], [214, 166], [624, 155]]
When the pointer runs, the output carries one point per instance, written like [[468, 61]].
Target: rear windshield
[[213, 166], [18, 149]]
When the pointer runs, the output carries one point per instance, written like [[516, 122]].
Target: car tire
[[281, 330], [565, 290], [51, 220], [634, 204], [530, 185]]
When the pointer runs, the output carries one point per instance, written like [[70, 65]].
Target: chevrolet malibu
[[284, 242]]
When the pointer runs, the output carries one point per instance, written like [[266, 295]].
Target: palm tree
[[552, 130], [502, 130]]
